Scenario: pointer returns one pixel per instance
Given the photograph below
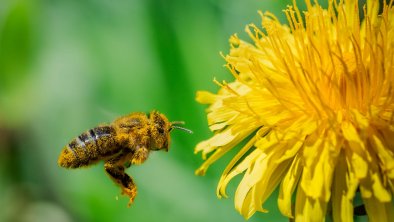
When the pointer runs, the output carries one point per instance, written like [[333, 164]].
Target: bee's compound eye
[[161, 131]]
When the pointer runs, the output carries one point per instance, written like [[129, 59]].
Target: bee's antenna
[[178, 122], [182, 128]]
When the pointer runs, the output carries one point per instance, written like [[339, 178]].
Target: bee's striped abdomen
[[89, 147]]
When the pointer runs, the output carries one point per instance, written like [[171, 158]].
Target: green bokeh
[[68, 65]]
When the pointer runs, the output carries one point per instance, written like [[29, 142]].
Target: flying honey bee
[[126, 141]]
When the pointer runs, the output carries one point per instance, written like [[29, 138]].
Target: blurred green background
[[69, 65]]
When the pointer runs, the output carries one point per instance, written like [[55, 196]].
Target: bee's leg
[[116, 170], [140, 155]]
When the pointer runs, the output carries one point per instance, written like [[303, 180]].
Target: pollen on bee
[[72, 158], [66, 159]]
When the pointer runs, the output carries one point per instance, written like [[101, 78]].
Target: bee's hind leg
[[116, 170]]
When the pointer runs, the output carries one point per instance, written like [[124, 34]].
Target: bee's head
[[160, 130]]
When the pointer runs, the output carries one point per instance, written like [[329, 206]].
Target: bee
[[127, 141]]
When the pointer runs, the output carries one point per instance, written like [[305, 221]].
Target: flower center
[[339, 84]]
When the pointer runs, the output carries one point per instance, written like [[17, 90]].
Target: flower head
[[315, 102]]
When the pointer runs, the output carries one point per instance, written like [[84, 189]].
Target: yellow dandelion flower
[[315, 102]]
